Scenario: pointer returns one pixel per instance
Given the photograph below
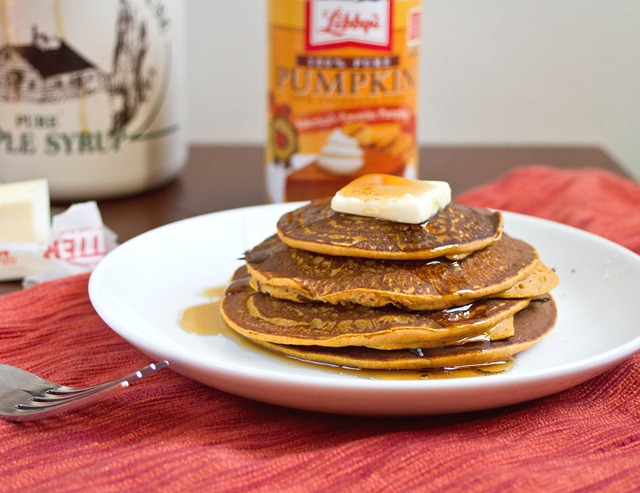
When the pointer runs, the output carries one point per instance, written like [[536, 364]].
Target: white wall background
[[493, 72]]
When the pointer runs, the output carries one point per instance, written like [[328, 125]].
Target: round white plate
[[141, 288]]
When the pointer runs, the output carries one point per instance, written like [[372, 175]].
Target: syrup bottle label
[[92, 94]]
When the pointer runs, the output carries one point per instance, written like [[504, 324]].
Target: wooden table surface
[[225, 177]]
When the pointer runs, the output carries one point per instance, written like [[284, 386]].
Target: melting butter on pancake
[[531, 325], [393, 198], [298, 275], [258, 316], [454, 231]]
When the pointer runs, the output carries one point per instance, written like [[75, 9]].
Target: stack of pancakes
[[361, 292]]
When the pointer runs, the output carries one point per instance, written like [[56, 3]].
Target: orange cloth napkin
[[589, 199], [168, 433]]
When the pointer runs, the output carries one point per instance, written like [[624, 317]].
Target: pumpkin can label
[[343, 80]]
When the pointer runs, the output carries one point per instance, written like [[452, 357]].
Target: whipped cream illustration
[[341, 155]]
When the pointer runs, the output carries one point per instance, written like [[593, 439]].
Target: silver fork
[[25, 396]]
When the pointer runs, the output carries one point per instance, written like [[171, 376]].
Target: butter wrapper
[[79, 240]]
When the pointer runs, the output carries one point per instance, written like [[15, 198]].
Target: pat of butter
[[25, 212], [392, 198]]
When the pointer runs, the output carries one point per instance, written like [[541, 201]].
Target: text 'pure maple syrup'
[[343, 84]]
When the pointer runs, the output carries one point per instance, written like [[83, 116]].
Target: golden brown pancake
[[531, 325], [540, 281], [299, 275], [259, 316], [455, 231]]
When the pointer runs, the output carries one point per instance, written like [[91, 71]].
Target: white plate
[[141, 288]]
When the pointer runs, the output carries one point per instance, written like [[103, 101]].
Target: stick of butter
[[392, 198], [25, 212]]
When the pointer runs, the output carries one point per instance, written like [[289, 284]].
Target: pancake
[[531, 325], [455, 231], [259, 316], [542, 280], [299, 275]]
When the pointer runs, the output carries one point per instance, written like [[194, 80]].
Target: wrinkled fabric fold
[[168, 433]]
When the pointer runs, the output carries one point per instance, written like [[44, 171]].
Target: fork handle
[[124, 382], [81, 397], [137, 375]]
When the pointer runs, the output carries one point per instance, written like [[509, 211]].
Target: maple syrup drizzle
[[205, 319]]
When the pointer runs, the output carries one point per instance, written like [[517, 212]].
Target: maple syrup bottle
[[92, 95], [343, 83]]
